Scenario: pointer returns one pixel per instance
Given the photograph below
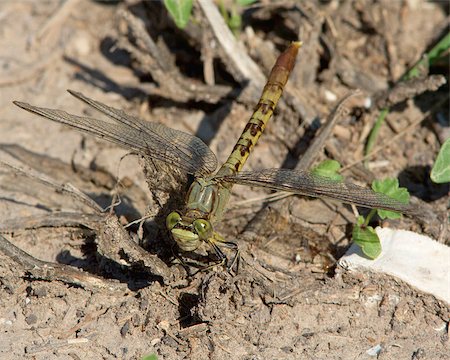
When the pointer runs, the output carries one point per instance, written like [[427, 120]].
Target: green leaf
[[329, 169], [367, 239], [441, 169], [150, 357], [180, 10], [429, 58], [235, 22], [245, 2], [390, 188]]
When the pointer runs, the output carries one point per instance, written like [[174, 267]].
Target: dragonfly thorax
[[207, 198], [188, 231]]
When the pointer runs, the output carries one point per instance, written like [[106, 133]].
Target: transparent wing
[[152, 140], [306, 183]]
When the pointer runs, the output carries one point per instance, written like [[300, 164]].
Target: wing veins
[[306, 183], [154, 130], [153, 140]]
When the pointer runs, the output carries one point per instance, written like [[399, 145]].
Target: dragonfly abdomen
[[263, 111]]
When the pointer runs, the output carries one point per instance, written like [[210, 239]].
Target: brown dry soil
[[289, 300]]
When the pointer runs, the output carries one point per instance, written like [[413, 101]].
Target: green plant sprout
[[232, 13], [180, 11], [366, 238], [364, 235], [440, 173], [419, 68]]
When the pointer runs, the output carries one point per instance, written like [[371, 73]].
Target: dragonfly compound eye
[[172, 219], [203, 228]]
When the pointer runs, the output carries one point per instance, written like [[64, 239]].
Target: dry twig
[[151, 59], [113, 241], [408, 89], [43, 270]]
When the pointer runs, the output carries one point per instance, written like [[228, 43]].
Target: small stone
[[125, 329], [81, 44], [40, 292], [31, 319]]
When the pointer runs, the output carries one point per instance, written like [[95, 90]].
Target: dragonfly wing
[[309, 184], [185, 151]]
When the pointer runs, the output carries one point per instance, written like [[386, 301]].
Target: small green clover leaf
[[390, 188], [180, 10], [367, 239], [441, 169], [329, 169]]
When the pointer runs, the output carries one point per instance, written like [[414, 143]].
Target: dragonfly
[[209, 193]]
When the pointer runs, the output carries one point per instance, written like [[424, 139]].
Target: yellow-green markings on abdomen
[[263, 112]]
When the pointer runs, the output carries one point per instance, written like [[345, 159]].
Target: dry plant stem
[[171, 83], [56, 219], [241, 66], [208, 59], [400, 92], [146, 59], [80, 176], [318, 143], [113, 240], [63, 188], [410, 88], [51, 345], [115, 243], [48, 271], [144, 40], [87, 319]]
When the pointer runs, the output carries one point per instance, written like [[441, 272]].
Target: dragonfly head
[[188, 233]]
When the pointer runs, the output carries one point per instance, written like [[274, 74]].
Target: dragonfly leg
[[222, 259], [220, 262], [217, 242], [233, 266]]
